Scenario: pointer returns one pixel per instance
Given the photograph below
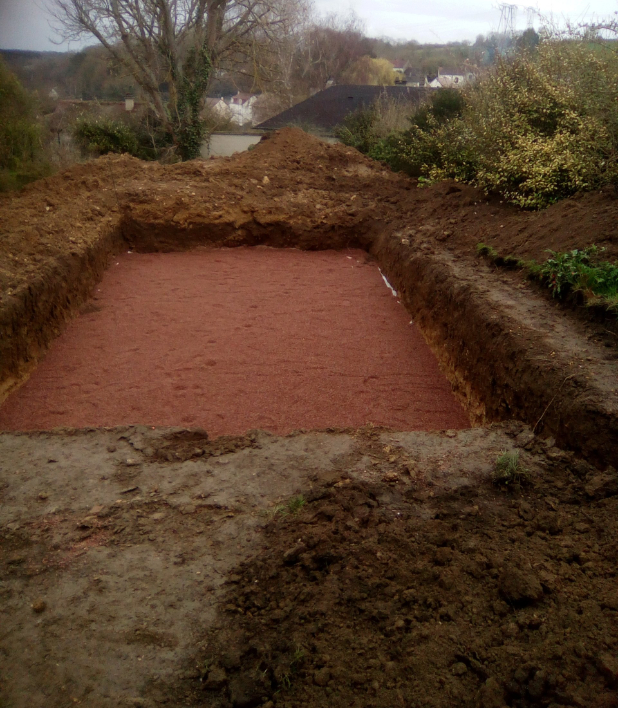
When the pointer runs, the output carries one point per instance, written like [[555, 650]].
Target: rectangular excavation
[[235, 339]]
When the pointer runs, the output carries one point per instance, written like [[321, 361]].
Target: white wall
[[226, 144]]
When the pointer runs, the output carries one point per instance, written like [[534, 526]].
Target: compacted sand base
[[235, 339]]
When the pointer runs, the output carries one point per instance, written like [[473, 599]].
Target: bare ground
[[147, 567]]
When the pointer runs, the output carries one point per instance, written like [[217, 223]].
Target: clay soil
[[237, 339], [147, 566]]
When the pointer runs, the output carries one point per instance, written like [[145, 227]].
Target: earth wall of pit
[[31, 318], [494, 375]]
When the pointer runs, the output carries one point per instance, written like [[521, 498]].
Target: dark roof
[[452, 71], [328, 108]]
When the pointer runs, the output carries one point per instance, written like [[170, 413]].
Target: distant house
[[241, 108], [399, 67], [414, 77], [450, 77], [328, 108], [218, 106]]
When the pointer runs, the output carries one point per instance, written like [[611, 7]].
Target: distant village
[[243, 109], [251, 110]]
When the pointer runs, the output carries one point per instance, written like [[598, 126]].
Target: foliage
[[21, 149], [508, 471], [359, 130], [537, 128], [484, 250], [369, 71], [370, 132], [579, 271], [101, 136], [576, 271], [145, 139]]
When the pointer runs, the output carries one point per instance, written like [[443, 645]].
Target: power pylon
[[508, 17]]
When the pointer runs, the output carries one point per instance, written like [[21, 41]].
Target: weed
[[484, 250], [511, 262], [508, 471], [576, 271], [293, 506], [285, 681], [296, 504]]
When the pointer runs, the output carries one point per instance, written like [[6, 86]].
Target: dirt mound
[[361, 599]]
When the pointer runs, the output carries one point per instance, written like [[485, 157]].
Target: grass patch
[[508, 472], [486, 251], [290, 508], [286, 678]]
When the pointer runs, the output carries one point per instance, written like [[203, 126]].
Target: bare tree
[[330, 47], [172, 46]]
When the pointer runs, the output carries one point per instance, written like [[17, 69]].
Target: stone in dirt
[[603, 485], [39, 606], [491, 695], [519, 587]]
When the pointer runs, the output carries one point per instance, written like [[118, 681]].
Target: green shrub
[[579, 271], [21, 148], [101, 136], [359, 130], [535, 129], [539, 128]]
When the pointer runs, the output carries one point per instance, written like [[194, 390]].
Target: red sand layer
[[235, 339]]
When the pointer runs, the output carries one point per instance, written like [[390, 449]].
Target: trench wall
[[490, 371], [32, 317]]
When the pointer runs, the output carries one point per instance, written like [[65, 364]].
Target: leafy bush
[[579, 271], [539, 128], [100, 136], [535, 129], [389, 132], [21, 148]]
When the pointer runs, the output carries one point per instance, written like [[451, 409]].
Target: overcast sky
[[24, 24]]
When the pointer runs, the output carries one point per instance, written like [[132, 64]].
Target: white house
[[241, 108], [218, 106], [450, 77]]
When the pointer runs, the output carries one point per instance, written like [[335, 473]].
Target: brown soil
[[148, 567], [379, 594], [237, 339], [508, 351], [144, 567]]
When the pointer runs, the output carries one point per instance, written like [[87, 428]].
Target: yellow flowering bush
[[535, 129], [542, 127]]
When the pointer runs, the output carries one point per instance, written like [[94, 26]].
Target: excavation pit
[[236, 339]]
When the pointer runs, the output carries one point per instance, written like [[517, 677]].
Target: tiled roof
[[328, 108]]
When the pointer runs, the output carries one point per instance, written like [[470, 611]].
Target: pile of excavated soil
[[232, 340], [291, 178], [364, 597]]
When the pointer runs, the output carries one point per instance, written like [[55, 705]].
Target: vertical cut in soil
[[237, 339]]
